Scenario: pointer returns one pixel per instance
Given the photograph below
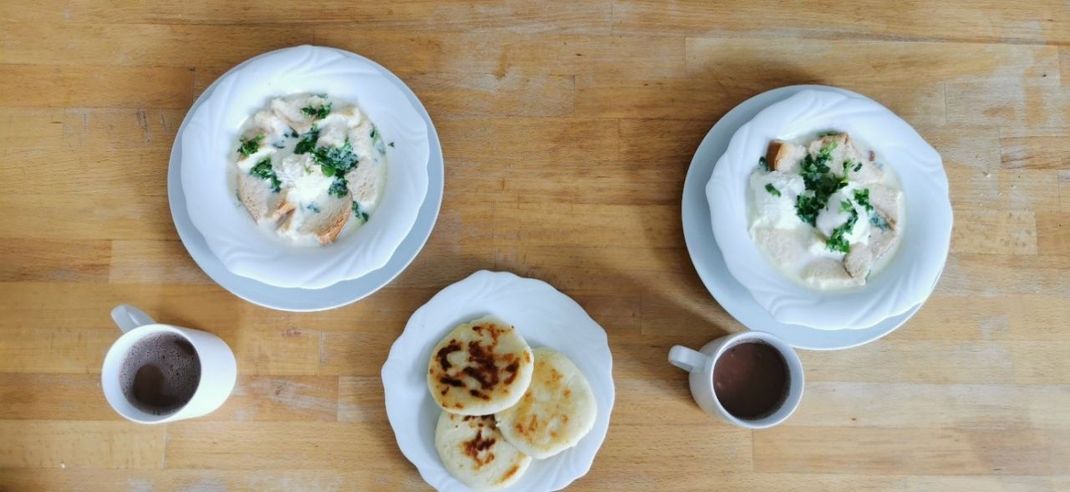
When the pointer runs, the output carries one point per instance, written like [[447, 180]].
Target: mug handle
[[686, 359], [128, 317]]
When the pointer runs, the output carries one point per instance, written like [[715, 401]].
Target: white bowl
[[304, 300], [213, 128], [910, 275], [546, 318]]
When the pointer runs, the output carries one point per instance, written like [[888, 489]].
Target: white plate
[[546, 318], [710, 264], [339, 294], [907, 279], [210, 135]]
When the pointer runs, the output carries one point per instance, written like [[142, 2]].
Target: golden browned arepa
[[480, 368]]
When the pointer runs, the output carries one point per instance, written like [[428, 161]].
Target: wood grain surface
[[567, 129]]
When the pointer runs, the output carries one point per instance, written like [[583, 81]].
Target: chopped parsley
[[339, 187], [764, 163], [308, 141], [862, 197], [359, 212], [858, 167], [838, 241], [391, 144], [317, 113], [878, 221], [807, 206], [249, 147], [335, 161], [377, 141], [263, 170], [772, 189], [820, 184]]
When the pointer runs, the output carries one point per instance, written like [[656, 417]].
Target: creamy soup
[[309, 168], [825, 211]]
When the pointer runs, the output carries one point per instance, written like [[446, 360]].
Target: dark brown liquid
[[751, 380], [160, 374]]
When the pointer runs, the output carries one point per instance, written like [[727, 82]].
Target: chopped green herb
[[838, 241], [377, 141], [862, 197], [826, 150], [845, 206], [858, 167], [807, 206], [878, 221], [335, 161], [820, 184], [828, 133], [764, 163], [263, 170], [359, 212], [339, 187], [772, 189], [317, 113], [308, 141], [391, 144], [250, 146], [292, 133]]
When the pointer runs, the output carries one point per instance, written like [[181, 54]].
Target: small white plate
[[209, 136], [546, 318], [912, 271], [303, 300], [710, 264]]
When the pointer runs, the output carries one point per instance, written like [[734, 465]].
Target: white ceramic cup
[[700, 364], [219, 369]]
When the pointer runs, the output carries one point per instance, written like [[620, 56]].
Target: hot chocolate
[[160, 374], [751, 380]]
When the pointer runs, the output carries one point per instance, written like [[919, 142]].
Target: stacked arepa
[[503, 404]]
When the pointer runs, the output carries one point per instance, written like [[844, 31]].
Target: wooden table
[[567, 130]]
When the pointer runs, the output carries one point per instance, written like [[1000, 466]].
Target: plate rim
[[212, 267], [720, 281]]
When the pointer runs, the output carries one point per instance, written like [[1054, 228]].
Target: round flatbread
[[480, 368], [557, 410], [474, 452]]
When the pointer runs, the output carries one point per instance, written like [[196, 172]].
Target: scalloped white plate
[[710, 265], [909, 276], [303, 300], [207, 143], [546, 318]]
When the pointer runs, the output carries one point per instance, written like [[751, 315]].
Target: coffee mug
[[701, 365], [218, 368]]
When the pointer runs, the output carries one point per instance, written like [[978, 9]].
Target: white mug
[[219, 369], [701, 365]]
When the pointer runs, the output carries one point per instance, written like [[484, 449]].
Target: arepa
[[474, 452], [480, 368], [556, 411]]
